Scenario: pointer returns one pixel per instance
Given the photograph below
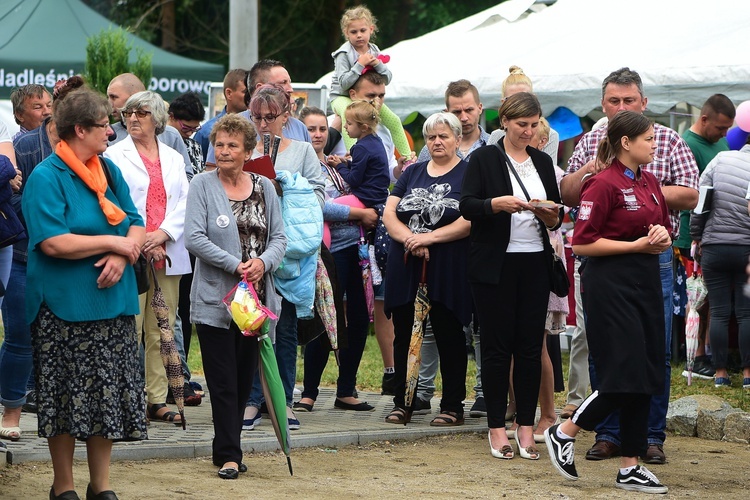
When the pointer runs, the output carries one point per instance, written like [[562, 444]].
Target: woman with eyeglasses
[[159, 186], [185, 114], [84, 235], [269, 109]]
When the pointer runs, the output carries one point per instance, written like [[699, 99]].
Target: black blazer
[[487, 177]]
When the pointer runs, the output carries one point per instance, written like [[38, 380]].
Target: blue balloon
[[737, 138]]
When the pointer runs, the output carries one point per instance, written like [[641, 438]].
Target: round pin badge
[[222, 221]]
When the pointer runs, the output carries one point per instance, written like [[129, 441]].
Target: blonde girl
[[354, 58]]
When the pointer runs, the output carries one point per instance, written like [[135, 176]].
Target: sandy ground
[[450, 467]]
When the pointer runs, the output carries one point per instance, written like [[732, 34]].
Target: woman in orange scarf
[[84, 235]]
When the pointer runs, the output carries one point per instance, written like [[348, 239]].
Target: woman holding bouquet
[[233, 226]]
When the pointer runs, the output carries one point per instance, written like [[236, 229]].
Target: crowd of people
[[473, 219]]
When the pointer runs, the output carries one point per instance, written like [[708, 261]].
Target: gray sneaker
[[421, 407], [640, 479], [478, 409]]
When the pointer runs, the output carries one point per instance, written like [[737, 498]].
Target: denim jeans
[[179, 340], [286, 355], [609, 429], [16, 363]]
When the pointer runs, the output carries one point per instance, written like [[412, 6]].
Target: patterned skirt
[[89, 380]]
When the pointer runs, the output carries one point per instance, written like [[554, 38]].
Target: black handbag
[[558, 277], [140, 267]]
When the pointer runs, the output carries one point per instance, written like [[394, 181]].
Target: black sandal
[[167, 416], [398, 416], [448, 419], [303, 407]]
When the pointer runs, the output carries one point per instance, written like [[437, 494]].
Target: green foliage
[[107, 56], [301, 33]]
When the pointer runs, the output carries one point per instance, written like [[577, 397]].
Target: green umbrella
[[254, 319], [273, 391]]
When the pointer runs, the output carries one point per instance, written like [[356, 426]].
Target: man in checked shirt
[[675, 167]]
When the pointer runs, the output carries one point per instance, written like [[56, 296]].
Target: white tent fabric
[[685, 50]]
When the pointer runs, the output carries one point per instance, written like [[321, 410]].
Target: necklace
[[525, 169]]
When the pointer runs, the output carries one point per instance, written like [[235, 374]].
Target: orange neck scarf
[[92, 174]]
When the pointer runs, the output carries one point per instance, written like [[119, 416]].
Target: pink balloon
[[743, 116]]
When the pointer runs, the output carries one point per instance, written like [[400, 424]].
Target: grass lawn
[[371, 372]]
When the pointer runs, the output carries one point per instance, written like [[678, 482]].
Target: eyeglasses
[[268, 118], [140, 113], [100, 125], [188, 128]]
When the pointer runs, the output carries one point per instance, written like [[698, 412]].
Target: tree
[[301, 33], [107, 56]]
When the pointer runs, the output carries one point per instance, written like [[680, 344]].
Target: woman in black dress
[[623, 226], [422, 217]]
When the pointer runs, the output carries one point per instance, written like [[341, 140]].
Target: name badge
[[222, 221]]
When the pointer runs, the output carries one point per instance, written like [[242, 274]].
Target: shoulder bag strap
[[540, 223]]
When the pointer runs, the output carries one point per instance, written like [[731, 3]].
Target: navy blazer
[[488, 177]]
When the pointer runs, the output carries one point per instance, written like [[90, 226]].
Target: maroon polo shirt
[[619, 204]]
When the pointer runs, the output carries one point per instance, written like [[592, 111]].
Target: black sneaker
[[421, 407], [561, 453], [478, 409], [30, 405], [640, 479], [702, 368], [388, 386]]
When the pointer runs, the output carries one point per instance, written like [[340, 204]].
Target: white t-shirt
[[525, 234]]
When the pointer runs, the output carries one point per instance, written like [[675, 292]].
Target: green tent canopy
[[42, 41]]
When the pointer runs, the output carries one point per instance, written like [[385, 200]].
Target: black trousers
[[229, 362], [634, 410], [451, 344], [512, 314]]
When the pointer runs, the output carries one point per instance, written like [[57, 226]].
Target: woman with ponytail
[[623, 226]]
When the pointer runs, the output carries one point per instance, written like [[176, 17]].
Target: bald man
[[119, 90]]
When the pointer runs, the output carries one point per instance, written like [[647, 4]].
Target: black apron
[[623, 302]]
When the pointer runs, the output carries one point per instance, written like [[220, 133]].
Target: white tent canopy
[[685, 51]]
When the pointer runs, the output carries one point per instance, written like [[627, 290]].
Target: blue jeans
[[286, 355], [609, 428], [16, 363], [179, 340]]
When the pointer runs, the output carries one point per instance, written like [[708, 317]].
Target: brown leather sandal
[[172, 417], [398, 416], [448, 419]]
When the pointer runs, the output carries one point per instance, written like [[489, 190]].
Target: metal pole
[[243, 33]]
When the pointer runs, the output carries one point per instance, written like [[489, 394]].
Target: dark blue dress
[[428, 203]]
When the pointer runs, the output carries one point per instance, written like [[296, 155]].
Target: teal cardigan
[[55, 202]]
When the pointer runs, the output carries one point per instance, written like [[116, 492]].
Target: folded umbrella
[[363, 252], [696, 293], [254, 319], [421, 309], [170, 357], [273, 391]]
